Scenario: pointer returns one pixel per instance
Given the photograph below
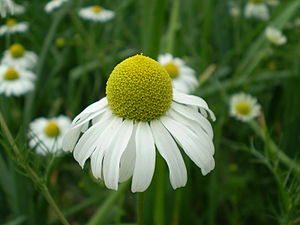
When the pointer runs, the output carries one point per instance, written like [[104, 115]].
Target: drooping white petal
[[113, 155], [128, 159], [194, 146], [170, 152], [145, 158], [70, 139], [193, 100]]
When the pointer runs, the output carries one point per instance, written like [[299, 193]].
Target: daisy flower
[[96, 13], [244, 107], [275, 36], [54, 4], [257, 9], [6, 7], [183, 77], [139, 114], [12, 26], [18, 56], [46, 134], [15, 81]]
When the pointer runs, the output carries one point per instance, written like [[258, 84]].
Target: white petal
[[70, 139], [145, 158], [193, 100], [195, 147], [170, 152], [114, 152]]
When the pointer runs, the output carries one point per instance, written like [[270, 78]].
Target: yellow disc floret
[[97, 8], [60, 42], [52, 129], [139, 88], [16, 50], [11, 74], [172, 69], [243, 108], [11, 22]]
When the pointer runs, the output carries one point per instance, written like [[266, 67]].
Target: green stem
[[173, 25], [107, 205], [159, 206], [140, 208], [30, 172], [177, 206], [273, 147]]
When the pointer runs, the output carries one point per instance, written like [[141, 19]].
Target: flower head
[[183, 77], [46, 134], [15, 81], [275, 36], [53, 5], [18, 56], [96, 13], [13, 26], [244, 107], [257, 9], [120, 132]]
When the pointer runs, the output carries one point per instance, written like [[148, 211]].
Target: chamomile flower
[[257, 9], [275, 36], [6, 7], [18, 9], [139, 114], [183, 77], [46, 134], [15, 81], [96, 13], [53, 5], [244, 107], [17, 55], [12, 26]]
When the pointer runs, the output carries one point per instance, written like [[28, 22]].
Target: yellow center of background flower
[[172, 69], [97, 9], [17, 50], [60, 42], [243, 108], [139, 88], [256, 1], [11, 74], [11, 22], [52, 129]]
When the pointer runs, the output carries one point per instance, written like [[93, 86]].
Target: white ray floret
[[257, 9], [12, 27], [15, 81], [53, 5], [46, 134], [6, 7], [275, 36], [96, 13]]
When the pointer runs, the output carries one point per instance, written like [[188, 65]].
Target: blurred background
[[256, 179]]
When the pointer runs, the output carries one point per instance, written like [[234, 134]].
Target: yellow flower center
[[243, 108], [256, 1], [11, 74], [52, 129], [16, 50], [97, 8], [172, 69], [60, 42], [139, 88], [11, 22]]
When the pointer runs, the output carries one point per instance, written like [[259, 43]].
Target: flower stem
[[159, 201], [30, 172], [140, 208]]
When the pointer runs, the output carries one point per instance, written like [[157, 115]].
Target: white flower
[[6, 7], [54, 4], [139, 114], [183, 77], [244, 107], [46, 134], [257, 10], [273, 3], [18, 56], [15, 81], [275, 36], [96, 13], [18, 9], [12, 26]]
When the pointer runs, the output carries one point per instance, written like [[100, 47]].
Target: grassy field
[[256, 179]]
